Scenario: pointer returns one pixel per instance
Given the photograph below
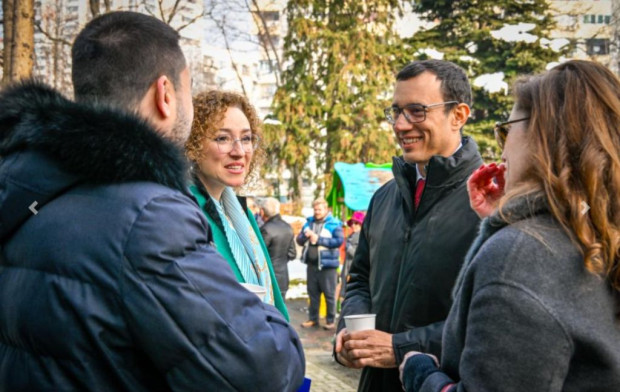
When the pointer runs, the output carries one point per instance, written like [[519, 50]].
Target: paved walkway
[[325, 373]]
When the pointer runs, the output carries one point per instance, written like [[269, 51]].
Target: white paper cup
[[260, 291], [359, 322]]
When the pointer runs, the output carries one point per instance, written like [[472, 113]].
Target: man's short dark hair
[[454, 82], [117, 56]]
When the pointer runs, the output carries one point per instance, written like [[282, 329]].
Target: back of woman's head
[[574, 139], [209, 110]]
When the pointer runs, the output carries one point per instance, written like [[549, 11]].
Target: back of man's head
[[117, 56], [454, 82], [271, 207]]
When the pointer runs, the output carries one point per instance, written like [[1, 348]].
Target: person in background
[[255, 208], [279, 239], [109, 281], [321, 236], [355, 223], [224, 149], [417, 229], [537, 301]]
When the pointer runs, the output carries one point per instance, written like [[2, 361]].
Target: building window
[[264, 40], [266, 66], [597, 46], [596, 19], [270, 16]]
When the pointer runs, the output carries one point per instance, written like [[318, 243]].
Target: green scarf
[[221, 243]]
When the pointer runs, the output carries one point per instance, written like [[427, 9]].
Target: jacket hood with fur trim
[[49, 144]]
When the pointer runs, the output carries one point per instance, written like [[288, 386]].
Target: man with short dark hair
[[279, 240], [138, 66], [417, 229], [109, 281], [321, 237]]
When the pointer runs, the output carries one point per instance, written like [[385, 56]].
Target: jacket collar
[[206, 203], [328, 220], [275, 218], [515, 210], [49, 143], [442, 173]]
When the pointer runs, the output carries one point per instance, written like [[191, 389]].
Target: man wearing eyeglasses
[[418, 227]]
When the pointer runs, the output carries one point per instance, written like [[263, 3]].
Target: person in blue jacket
[[321, 237], [108, 279]]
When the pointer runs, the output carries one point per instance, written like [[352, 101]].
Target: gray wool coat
[[528, 315]]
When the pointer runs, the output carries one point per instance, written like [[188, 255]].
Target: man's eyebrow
[[394, 104]]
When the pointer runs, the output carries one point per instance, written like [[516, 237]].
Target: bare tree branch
[[51, 37], [148, 9], [222, 26], [194, 19], [266, 36], [160, 3], [173, 12]]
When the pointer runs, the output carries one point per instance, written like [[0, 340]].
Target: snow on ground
[[297, 273]]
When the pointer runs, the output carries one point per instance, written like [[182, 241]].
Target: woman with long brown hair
[[536, 305]]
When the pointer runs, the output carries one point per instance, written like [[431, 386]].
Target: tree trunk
[[8, 11], [22, 45], [94, 8], [57, 49]]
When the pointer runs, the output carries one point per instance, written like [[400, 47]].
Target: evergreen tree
[[466, 32], [340, 58]]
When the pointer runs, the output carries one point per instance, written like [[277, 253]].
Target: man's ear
[[461, 114], [164, 96]]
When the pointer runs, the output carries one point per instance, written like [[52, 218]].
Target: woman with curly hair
[[536, 305], [224, 149]]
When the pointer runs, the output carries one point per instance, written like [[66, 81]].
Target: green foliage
[[464, 34], [341, 58]]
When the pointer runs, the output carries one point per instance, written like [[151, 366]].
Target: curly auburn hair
[[209, 110], [574, 140]]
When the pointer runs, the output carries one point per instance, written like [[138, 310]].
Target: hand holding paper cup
[[359, 322], [260, 291]]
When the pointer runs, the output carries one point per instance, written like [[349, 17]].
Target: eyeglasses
[[413, 112], [226, 143], [501, 130]]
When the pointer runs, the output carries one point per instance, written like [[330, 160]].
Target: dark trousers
[[322, 281]]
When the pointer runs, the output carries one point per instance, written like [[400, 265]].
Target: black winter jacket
[[407, 261], [107, 278], [280, 242]]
